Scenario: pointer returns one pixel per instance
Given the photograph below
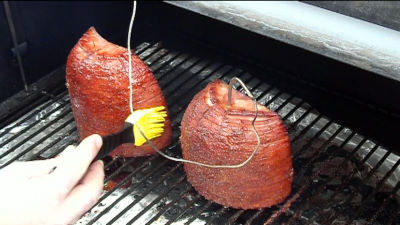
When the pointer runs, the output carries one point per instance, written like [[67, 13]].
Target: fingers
[[84, 195], [73, 164]]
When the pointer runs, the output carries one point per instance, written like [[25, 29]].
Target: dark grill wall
[[50, 30], [10, 81]]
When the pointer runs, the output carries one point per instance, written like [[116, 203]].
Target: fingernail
[[98, 141], [101, 162]]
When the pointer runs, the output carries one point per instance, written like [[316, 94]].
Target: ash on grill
[[340, 176]]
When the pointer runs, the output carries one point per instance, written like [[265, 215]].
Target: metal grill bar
[[322, 187], [157, 200], [128, 191], [31, 114], [188, 206], [295, 196], [171, 203], [40, 130], [29, 127], [351, 176], [39, 141], [378, 187], [348, 199], [164, 176], [218, 213], [37, 154]]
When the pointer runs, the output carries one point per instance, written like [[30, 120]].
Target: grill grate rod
[[158, 199], [217, 213], [31, 114], [30, 126], [142, 195], [315, 136], [348, 179], [285, 207], [187, 207], [348, 199], [378, 187], [40, 130], [171, 203], [199, 211], [126, 179], [129, 190], [120, 169], [315, 120], [28, 105], [307, 204], [66, 134], [53, 132]]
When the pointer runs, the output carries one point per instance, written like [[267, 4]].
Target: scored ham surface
[[98, 85], [214, 133]]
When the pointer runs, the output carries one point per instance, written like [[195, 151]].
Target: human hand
[[36, 193]]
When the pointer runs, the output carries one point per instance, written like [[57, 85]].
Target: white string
[[130, 56], [235, 79]]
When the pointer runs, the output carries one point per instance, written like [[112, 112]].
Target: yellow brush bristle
[[151, 121]]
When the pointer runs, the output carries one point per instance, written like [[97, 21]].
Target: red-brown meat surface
[[215, 133], [98, 85]]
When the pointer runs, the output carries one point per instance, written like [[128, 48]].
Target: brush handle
[[112, 141]]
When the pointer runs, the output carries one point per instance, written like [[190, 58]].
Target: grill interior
[[341, 177]]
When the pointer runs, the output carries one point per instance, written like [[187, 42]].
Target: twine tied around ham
[[231, 83]]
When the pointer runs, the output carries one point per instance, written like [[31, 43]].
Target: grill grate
[[340, 176]]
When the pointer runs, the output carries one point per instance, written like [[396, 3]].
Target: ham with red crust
[[214, 133], [98, 85]]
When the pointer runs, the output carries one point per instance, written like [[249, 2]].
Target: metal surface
[[340, 176], [349, 40], [384, 13]]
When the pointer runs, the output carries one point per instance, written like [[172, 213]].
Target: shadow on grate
[[340, 176]]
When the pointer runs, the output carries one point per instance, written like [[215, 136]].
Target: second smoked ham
[[214, 133]]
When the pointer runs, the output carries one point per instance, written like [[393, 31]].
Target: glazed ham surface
[[215, 133], [98, 85]]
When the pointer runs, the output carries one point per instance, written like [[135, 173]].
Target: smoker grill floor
[[340, 176]]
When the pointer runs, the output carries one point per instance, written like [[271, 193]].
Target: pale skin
[[31, 194]]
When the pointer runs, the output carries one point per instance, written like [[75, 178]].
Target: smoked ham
[[214, 133], [98, 85]]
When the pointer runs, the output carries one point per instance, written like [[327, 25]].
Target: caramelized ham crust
[[215, 133], [98, 85]]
